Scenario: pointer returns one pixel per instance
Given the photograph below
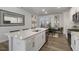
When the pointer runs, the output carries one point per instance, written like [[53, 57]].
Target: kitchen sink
[[36, 30]]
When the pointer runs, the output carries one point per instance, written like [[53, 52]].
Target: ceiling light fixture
[[43, 10]]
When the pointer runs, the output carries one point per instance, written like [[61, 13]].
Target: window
[[10, 18]]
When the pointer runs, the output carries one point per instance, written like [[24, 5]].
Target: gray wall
[[6, 29]]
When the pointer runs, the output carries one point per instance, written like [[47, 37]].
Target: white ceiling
[[50, 10]]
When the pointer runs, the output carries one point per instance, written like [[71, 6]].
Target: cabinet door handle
[[33, 44], [74, 42]]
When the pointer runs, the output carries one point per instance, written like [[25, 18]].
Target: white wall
[[60, 20], [66, 21], [52, 20], [9, 28]]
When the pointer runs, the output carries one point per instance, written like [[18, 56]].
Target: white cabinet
[[74, 42], [32, 43], [43, 37], [77, 44], [42, 41], [17, 45], [23, 45], [39, 40]]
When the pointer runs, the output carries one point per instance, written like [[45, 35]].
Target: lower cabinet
[[75, 42], [18, 45], [43, 37], [39, 40], [33, 43], [30, 44]]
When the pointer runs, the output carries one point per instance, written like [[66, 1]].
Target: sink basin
[[36, 30]]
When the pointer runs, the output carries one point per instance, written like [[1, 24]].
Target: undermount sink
[[36, 30]]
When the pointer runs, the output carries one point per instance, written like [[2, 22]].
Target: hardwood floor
[[56, 44], [4, 46]]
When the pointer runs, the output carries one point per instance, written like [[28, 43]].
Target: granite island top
[[26, 33], [75, 33]]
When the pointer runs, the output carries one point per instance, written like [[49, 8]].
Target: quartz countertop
[[75, 33], [25, 34], [74, 29]]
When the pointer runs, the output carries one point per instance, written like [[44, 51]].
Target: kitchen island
[[27, 40]]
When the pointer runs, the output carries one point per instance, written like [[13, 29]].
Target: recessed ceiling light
[[43, 10]]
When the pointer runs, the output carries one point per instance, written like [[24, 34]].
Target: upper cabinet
[[9, 18]]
